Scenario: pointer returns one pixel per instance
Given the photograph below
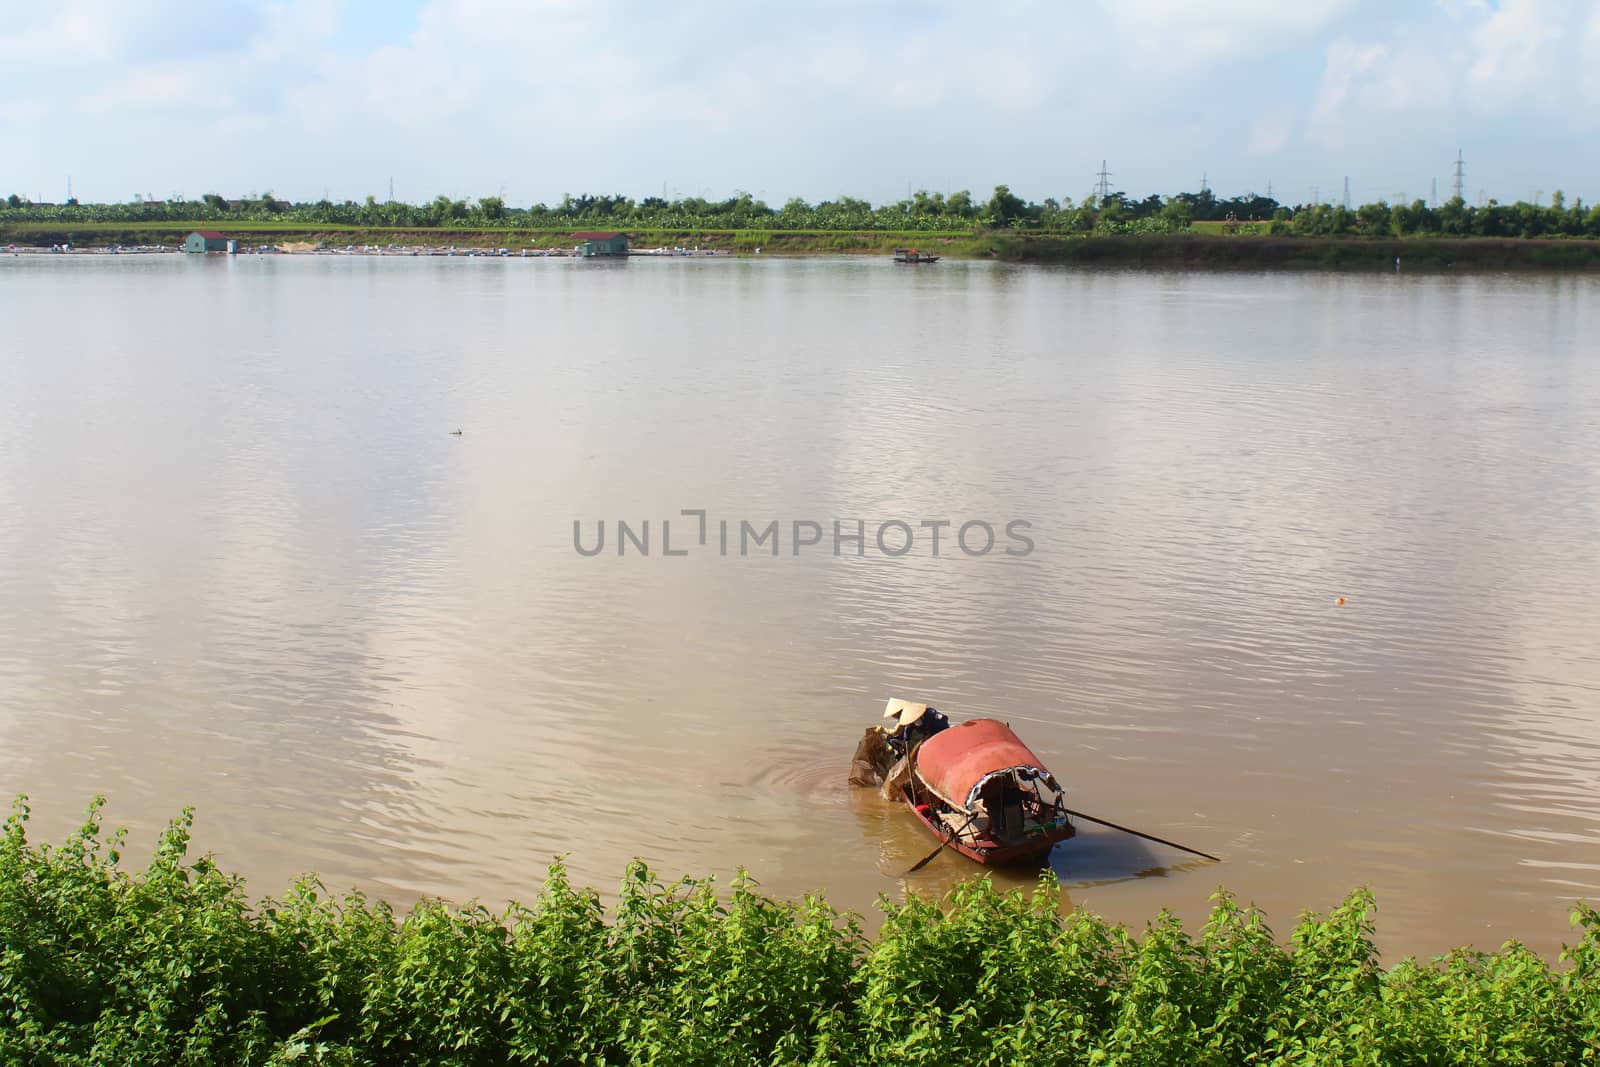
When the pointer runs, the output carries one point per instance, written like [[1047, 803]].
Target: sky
[[533, 99]]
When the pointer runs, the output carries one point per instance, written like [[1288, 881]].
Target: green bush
[[174, 965]]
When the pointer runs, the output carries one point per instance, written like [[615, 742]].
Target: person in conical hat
[[904, 712], [913, 723]]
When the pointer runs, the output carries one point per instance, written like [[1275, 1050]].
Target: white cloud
[[23, 110], [99, 32], [1188, 32], [567, 65], [1516, 51], [67, 34], [149, 86], [1348, 64], [1268, 135], [1521, 57], [1589, 59], [1461, 9]]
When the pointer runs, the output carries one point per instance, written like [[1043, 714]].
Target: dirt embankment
[[1270, 253]]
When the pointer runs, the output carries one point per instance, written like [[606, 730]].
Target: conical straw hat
[[904, 710]]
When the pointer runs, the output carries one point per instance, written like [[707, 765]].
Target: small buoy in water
[[457, 433], [1337, 603]]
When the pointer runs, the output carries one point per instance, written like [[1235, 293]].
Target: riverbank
[[1193, 250], [1250, 252], [308, 236], [177, 964]]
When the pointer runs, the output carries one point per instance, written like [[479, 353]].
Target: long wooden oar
[[942, 846], [1135, 833]]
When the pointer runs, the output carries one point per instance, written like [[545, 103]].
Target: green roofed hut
[[601, 243], [205, 241]]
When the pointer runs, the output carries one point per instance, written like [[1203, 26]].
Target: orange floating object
[[1339, 602]]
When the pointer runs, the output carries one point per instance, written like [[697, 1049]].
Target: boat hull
[[1031, 850]]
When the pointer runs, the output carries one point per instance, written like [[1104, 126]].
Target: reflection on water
[[1097, 857], [245, 565]]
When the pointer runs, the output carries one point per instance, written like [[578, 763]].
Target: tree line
[[960, 211]]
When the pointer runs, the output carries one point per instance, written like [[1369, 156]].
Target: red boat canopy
[[954, 762]]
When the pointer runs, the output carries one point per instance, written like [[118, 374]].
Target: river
[[246, 563]]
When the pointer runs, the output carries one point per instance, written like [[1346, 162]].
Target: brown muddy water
[[245, 565]]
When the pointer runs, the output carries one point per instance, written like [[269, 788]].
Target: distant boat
[[911, 255]]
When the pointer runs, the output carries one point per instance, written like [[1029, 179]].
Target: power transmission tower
[[1433, 192], [1347, 191], [1461, 175], [391, 188], [1269, 188], [1102, 189], [1205, 187]]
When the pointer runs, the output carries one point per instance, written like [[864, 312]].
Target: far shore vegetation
[[177, 964], [956, 214], [1186, 230]]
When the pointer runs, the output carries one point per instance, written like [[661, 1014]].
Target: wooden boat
[[978, 787], [911, 255]]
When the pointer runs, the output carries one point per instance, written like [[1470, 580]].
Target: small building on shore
[[205, 241], [601, 243]]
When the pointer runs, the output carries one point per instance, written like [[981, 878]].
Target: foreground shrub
[[174, 965]]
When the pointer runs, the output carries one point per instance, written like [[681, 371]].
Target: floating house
[[205, 241], [601, 243]]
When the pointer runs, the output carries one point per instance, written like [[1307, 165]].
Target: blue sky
[[531, 99]]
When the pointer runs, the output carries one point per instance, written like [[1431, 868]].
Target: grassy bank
[[174, 965], [1259, 252]]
